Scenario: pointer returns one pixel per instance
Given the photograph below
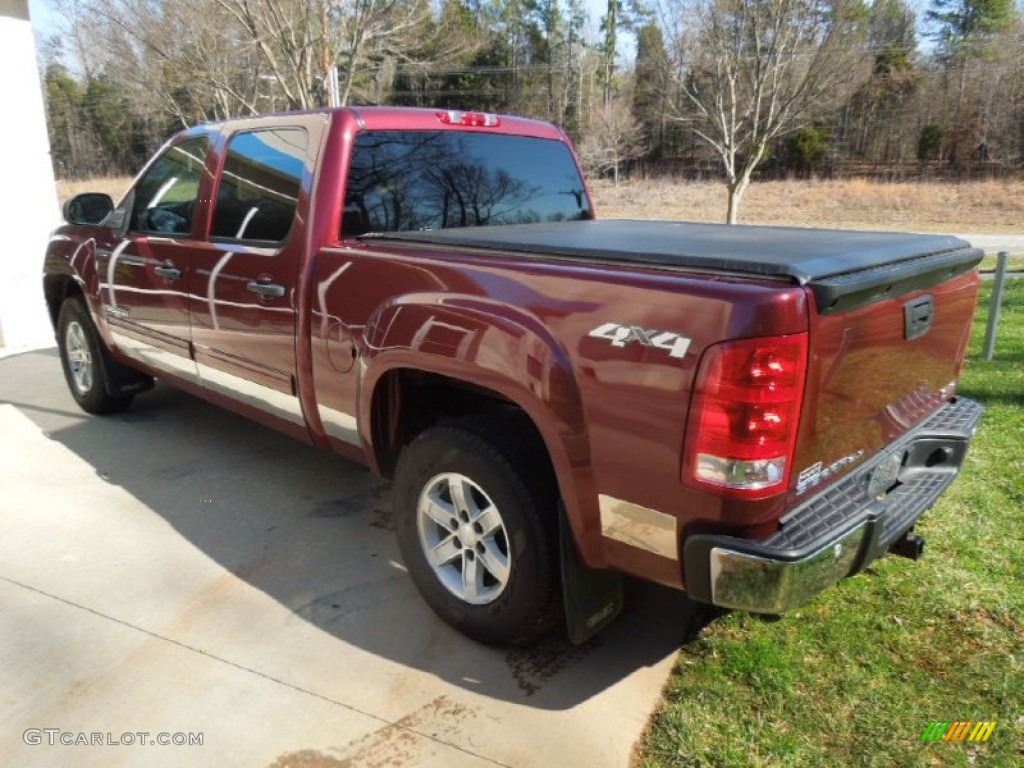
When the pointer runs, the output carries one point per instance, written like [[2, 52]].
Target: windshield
[[403, 181]]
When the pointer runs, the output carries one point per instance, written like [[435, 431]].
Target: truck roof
[[413, 119], [420, 119]]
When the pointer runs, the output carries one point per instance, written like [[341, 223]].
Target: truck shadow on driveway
[[315, 533]]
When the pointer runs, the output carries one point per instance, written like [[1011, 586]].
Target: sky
[[47, 21], [44, 19]]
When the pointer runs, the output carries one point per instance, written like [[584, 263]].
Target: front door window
[[165, 198]]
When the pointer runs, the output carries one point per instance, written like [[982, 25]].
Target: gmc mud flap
[[593, 598]]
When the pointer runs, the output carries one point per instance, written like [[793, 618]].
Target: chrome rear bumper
[[839, 531]]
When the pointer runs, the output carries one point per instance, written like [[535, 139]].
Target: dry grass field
[[995, 207], [115, 186]]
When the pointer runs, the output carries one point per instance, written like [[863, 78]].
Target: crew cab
[[749, 414]]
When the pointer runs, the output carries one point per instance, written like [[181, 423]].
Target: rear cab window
[[421, 180], [258, 190]]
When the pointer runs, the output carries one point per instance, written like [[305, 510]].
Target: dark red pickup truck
[[746, 413]]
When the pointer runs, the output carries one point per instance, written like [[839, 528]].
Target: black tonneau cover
[[843, 268]]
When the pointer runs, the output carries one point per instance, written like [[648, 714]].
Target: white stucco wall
[[28, 196]]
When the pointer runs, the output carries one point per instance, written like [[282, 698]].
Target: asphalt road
[[1012, 244], [178, 569]]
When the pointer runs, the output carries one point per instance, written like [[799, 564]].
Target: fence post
[[996, 306]]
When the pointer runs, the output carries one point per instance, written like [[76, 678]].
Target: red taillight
[[472, 119], [745, 414]]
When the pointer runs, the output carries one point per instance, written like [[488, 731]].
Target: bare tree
[[757, 70], [716, 84], [301, 41], [294, 40], [184, 58], [616, 138]]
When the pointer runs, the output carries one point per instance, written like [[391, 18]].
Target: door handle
[[273, 290], [168, 271]]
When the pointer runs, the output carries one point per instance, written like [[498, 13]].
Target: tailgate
[[887, 345]]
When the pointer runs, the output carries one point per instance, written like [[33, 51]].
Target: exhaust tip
[[909, 545]]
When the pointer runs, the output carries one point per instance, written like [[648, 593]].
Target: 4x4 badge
[[621, 335]]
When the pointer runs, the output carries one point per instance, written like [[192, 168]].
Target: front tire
[[475, 516], [82, 357]]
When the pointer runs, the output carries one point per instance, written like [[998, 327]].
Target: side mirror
[[88, 208]]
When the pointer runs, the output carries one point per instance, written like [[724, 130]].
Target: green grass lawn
[[853, 678]]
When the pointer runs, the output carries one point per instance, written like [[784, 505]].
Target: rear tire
[[84, 360], [476, 520]]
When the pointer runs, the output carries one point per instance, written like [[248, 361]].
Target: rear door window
[[418, 180], [259, 186]]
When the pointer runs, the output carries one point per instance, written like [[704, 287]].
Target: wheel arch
[[58, 288], [69, 269], [414, 377]]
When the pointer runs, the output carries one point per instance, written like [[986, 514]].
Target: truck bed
[[842, 268]]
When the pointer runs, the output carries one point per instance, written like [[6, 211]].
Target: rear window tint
[[417, 180]]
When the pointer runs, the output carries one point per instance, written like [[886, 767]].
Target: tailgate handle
[[917, 316]]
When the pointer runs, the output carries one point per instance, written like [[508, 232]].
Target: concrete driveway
[[180, 572]]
